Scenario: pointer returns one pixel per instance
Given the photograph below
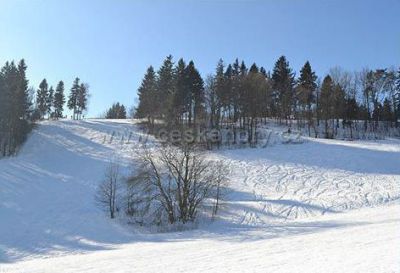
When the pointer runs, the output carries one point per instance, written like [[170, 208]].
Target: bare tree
[[107, 191], [174, 184]]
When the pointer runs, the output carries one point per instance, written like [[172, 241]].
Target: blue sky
[[109, 44]]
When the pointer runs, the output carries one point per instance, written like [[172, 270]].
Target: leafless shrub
[[174, 184], [107, 191]]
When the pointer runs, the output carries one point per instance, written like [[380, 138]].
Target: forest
[[362, 104], [22, 105]]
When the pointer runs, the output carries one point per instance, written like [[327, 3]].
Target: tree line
[[21, 105], [236, 96], [116, 111], [15, 107], [50, 103]]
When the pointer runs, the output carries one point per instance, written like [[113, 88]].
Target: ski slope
[[323, 205]]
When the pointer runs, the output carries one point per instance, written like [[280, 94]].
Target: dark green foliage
[[14, 107], [195, 86], [78, 98], [42, 100], [59, 100], [147, 96], [238, 98], [117, 111], [165, 88], [283, 83], [175, 94]]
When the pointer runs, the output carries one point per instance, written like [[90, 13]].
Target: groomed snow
[[321, 206]]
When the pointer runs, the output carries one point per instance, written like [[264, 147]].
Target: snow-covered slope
[[360, 241], [280, 212]]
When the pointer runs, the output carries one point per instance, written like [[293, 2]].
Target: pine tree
[[181, 100], [14, 107], [305, 91], [228, 85], [283, 82], [73, 98], [219, 87], [116, 111], [327, 103], [23, 100], [42, 95], [165, 88], [82, 99], [147, 93], [195, 85], [59, 100], [254, 68], [122, 112], [50, 101], [236, 86]]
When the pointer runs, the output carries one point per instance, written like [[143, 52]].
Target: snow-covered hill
[[280, 215]]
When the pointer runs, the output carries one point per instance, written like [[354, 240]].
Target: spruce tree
[[165, 88], [22, 97], [195, 85], [122, 112], [148, 100], [50, 102], [236, 86], [116, 111], [283, 82], [305, 91], [73, 98], [181, 99], [228, 85], [59, 100], [219, 87], [82, 99], [327, 103], [42, 95]]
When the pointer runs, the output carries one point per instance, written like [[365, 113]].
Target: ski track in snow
[[46, 193], [291, 191]]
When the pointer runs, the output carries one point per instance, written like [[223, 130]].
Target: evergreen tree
[[14, 107], [283, 82], [73, 98], [305, 91], [219, 88], [327, 103], [195, 85], [82, 99], [165, 88], [59, 100], [181, 99], [42, 95], [147, 94], [50, 102], [228, 86], [117, 111], [254, 68], [24, 102], [236, 87]]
